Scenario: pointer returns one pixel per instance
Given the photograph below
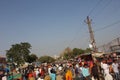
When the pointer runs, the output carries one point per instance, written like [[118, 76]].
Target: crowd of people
[[107, 68], [110, 68]]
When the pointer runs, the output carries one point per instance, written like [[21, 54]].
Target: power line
[[106, 5], [108, 26], [94, 7], [74, 38]]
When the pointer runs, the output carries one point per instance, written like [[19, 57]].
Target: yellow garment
[[47, 77], [31, 78], [68, 75]]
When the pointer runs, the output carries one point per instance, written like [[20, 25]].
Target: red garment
[[34, 74], [30, 75], [42, 73], [91, 64]]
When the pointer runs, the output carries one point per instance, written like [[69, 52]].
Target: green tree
[[47, 59], [67, 56], [32, 58], [77, 51], [18, 52], [25, 50], [88, 50], [67, 53]]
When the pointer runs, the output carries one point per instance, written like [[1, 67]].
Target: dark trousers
[[117, 76], [96, 77], [87, 78]]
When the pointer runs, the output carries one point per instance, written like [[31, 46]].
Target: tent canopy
[[97, 54]]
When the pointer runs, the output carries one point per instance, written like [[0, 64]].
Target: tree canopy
[[18, 53], [75, 52], [46, 59], [32, 58]]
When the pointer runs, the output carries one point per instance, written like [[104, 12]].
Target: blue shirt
[[53, 76], [85, 72]]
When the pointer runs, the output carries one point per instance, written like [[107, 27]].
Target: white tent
[[97, 54]]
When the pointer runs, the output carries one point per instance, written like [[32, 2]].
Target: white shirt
[[49, 70], [108, 77], [106, 68], [4, 78], [40, 79], [60, 68], [101, 64], [37, 72], [115, 67]]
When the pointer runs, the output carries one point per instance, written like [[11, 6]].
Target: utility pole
[[92, 39]]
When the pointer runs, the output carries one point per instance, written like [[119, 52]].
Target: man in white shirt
[[106, 71], [115, 69], [101, 65], [105, 67]]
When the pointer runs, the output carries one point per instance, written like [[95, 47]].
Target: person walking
[[86, 72], [78, 73], [53, 74], [31, 75], [68, 75], [94, 72], [115, 69], [106, 69]]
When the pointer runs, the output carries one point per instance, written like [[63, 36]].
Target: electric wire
[[74, 38], [104, 7], [94, 7], [108, 26], [92, 10]]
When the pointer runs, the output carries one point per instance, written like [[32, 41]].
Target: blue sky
[[52, 25]]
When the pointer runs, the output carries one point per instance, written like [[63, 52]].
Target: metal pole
[[92, 40]]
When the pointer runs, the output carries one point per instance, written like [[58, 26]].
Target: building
[[2, 60]]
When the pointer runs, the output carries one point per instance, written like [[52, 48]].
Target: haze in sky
[[50, 26]]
